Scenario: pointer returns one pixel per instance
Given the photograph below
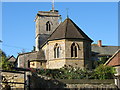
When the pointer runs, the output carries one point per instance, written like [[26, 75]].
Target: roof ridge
[[66, 27], [11, 57], [27, 53]]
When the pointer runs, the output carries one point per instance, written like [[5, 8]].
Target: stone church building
[[57, 44]]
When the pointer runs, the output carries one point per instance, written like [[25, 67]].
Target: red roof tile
[[114, 60]]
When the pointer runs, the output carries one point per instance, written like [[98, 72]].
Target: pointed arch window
[[48, 26], [56, 51], [73, 50]]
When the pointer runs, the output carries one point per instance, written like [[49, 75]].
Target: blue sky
[[99, 20]]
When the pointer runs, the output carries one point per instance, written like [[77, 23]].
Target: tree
[[102, 60], [104, 72], [4, 63]]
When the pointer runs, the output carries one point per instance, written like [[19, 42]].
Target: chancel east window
[[73, 50], [48, 26], [56, 51]]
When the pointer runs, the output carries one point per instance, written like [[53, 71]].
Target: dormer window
[[48, 26]]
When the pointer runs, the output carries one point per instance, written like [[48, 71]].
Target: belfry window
[[56, 51], [73, 50], [48, 26]]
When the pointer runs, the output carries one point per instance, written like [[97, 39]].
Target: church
[[57, 44]]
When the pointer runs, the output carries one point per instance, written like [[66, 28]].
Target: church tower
[[46, 23]]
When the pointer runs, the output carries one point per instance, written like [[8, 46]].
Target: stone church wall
[[56, 63], [49, 49], [76, 61], [87, 55], [41, 33], [41, 23], [68, 44], [23, 59], [65, 54], [51, 46]]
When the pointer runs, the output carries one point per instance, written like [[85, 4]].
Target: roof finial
[[53, 5], [67, 12]]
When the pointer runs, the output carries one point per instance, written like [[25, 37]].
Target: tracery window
[[56, 51], [74, 50]]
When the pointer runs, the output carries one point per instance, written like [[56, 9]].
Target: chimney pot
[[100, 43]]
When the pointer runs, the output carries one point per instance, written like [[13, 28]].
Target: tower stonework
[[46, 23]]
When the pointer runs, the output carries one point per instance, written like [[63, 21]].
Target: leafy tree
[[102, 60], [104, 72], [4, 63]]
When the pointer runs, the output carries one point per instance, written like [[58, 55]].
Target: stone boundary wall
[[13, 79], [93, 86], [38, 81], [87, 81]]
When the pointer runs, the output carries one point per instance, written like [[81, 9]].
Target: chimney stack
[[100, 43]]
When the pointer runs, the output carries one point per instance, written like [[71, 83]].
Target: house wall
[[117, 76], [117, 70]]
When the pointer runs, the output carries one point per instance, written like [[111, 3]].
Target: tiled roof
[[104, 50], [68, 30], [114, 60]]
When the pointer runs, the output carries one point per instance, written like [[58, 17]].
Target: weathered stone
[[13, 77]]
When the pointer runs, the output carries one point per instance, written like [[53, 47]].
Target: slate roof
[[36, 55], [114, 60], [40, 55], [104, 50], [68, 30]]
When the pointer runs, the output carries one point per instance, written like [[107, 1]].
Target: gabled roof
[[68, 30], [114, 60], [11, 59]]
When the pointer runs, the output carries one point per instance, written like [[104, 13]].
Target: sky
[[99, 20]]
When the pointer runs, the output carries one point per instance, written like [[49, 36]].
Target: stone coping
[[86, 81]]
